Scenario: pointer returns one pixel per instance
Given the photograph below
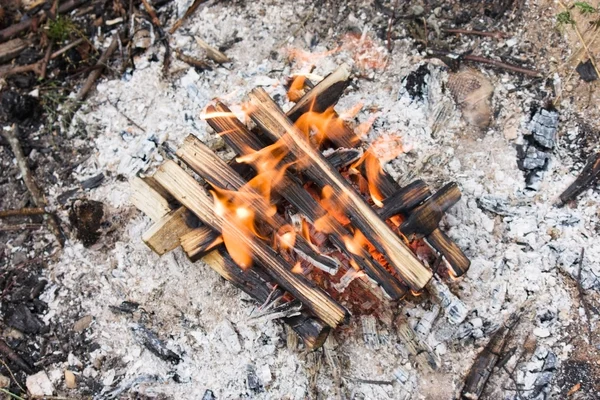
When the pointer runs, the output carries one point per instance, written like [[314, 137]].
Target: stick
[[22, 212], [270, 118], [187, 14], [12, 136], [212, 53], [95, 74], [489, 61], [494, 34], [588, 175], [237, 136], [14, 357], [191, 194], [199, 242]]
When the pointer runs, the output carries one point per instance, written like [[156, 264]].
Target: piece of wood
[[244, 142], [425, 219], [588, 175], [148, 200], [212, 53], [12, 137], [323, 96], [164, 235], [453, 255], [404, 199], [209, 166], [23, 212], [192, 195], [187, 14], [199, 242], [311, 330], [101, 64], [271, 119], [12, 49]]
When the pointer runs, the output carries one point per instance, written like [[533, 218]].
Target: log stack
[[314, 229]]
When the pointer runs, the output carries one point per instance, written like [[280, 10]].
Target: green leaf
[[584, 8], [564, 18]]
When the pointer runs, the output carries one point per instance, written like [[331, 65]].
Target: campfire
[[304, 220]]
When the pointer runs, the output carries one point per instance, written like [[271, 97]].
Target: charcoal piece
[[530, 158], [543, 127], [550, 362], [586, 71], [151, 341], [19, 107], [86, 217], [126, 307], [23, 320], [93, 182], [208, 395], [415, 82], [252, 380]]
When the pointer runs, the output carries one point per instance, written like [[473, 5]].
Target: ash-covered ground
[[107, 305]]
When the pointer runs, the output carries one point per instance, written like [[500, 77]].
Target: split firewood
[[237, 136], [404, 199], [203, 242], [588, 175], [210, 167], [192, 195], [323, 96], [165, 233], [269, 117]]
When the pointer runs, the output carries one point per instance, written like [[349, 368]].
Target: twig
[[11, 394], [22, 212], [11, 374], [212, 53], [14, 357], [152, 13], [587, 176], [187, 14], [489, 61], [95, 74], [193, 61], [12, 136], [494, 34], [132, 122], [66, 48], [389, 28], [581, 293]]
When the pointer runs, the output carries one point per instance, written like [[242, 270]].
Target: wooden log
[[311, 330], [164, 235], [585, 179], [210, 167], [148, 199], [404, 199], [269, 117], [199, 242], [237, 136], [191, 194], [425, 219], [324, 95], [454, 256], [342, 157]]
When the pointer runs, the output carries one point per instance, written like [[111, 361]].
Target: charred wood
[[404, 199], [585, 179]]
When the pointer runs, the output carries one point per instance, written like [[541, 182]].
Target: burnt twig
[[12, 136], [489, 61], [187, 14], [494, 34], [15, 358], [95, 74], [588, 175], [22, 212]]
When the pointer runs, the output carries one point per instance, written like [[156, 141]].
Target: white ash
[[516, 249]]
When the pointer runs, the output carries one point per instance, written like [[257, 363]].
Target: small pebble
[[82, 324], [70, 379], [541, 332]]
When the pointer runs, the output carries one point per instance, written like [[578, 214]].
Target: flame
[[297, 268], [287, 237], [355, 244], [415, 293], [296, 90], [333, 205], [389, 146], [306, 57], [374, 175]]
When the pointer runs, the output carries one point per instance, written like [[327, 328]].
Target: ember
[[314, 212]]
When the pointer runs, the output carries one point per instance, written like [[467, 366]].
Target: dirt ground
[[126, 323]]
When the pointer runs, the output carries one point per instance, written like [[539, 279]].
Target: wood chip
[[70, 379]]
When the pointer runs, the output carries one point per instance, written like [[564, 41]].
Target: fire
[[388, 146], [287, 237], [356, 243], [306, 57], [324, 125], [297, 269], [363, 128], [296, 90], [333, 205], [374, 175]]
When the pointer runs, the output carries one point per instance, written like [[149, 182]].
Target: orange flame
[[306, 57], [374, 175], [296, 90], [297, 268], [357, 243], [389, 146], [333, 205]]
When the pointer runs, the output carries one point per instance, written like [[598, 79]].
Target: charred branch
[[404, 199], [199, 242], [585, 179]]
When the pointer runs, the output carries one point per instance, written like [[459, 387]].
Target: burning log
[[587, 176], [270, 118], [199, 242], [210, 167], [312, 331], [404, 199], [191, 194], [243, 141]]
